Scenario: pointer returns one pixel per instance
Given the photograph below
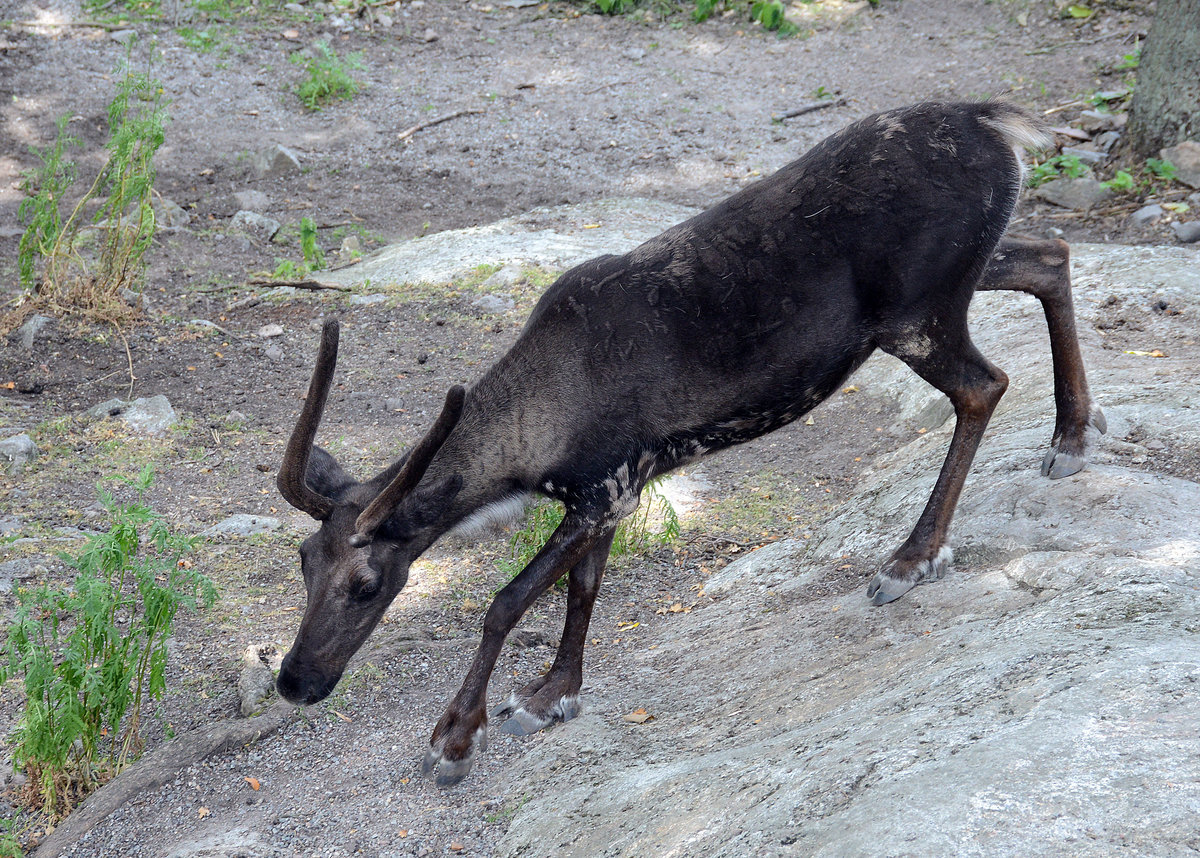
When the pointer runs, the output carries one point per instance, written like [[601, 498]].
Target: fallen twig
[[296, 284], [99, 25], [607, 85], [409, 132], [809, 108]]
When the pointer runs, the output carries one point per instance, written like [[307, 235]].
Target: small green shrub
[[1123, 182], [1154, 175], [79, 277], [91, 654], [1060, 166], [314, 259], [1161, 169], [44, 189], [770, 13], [328, 76]]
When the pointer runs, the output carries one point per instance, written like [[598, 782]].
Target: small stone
[[1079, 194], [243, 524], [27, 334], [1186, 159], [17, 452], [1088, 156], [256, 681], [508, 276], [1146, 215], [273, 352], [1106, 140], [1054, 232], [1096, 121], [634, 54], [351, 247], [384, 19], [151, 415], [256, 225], [429, 36], [272, 330], [14, 570], [169, 216], [276, 162], [393, 404], [294, 7], [251, 200], [123, 37], [1188, 233], [494, 303]]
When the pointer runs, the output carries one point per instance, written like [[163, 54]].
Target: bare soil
[[571, 108]]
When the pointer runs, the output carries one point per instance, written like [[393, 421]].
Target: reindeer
[[721, 329]]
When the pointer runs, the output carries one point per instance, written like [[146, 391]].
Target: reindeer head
[[357, 561]]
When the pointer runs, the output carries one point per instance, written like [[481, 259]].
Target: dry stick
[[296, 284], [607, 85], [128, 356], [809, 108], [409, 132], [99, 25]]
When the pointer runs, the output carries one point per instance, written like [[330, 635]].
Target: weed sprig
[[77, 279], [90, 655]]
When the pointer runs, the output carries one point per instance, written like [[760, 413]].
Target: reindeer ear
[[424, 506], [325, 476]]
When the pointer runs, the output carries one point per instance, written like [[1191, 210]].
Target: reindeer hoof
[[523, 722], [898, 577], [1058, 464], [449, 772], [884, 589]]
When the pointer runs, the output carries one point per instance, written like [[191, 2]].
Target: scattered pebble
[[1188, 233]]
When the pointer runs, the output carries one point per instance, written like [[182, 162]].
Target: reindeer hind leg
[[1042, 268], [950, 362]]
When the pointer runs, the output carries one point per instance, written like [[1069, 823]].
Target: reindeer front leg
[[462, 730], [555, 695]]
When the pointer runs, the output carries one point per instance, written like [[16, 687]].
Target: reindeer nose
[[300, 684]]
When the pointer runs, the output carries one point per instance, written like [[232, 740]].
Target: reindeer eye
[[364, 588]]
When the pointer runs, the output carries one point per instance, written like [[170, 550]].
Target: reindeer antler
[[412, 471], [292, 472]]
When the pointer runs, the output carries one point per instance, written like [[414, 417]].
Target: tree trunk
[[1166, 101]]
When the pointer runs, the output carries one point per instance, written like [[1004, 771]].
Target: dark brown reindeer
[[720, 330]]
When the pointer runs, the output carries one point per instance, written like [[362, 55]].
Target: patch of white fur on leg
[[522, 722], [512, 704], [929, 570], [566, 708], [494, 515]]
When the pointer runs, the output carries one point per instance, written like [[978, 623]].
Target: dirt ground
[[565, 107]]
